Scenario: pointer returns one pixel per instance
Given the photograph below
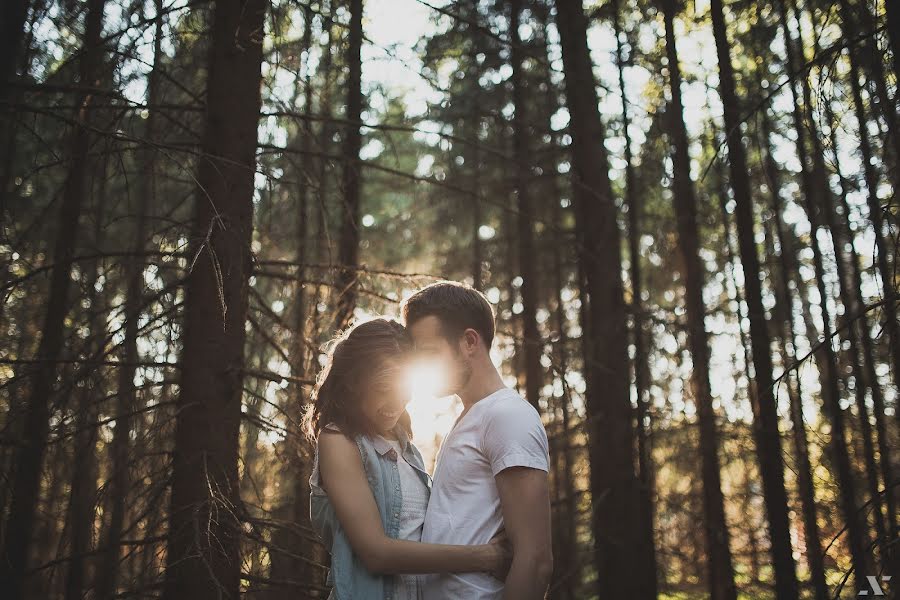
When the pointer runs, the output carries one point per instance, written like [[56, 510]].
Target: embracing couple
[[480, 528]]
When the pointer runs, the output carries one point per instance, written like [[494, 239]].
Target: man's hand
[[525, 502]]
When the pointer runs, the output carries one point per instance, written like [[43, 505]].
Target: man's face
[[433, 347]]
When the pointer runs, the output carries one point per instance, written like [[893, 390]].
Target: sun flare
[[431, 415]]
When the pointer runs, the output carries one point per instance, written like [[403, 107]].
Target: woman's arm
[[344, 479]]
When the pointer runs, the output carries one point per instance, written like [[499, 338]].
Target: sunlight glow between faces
[[431, 415]]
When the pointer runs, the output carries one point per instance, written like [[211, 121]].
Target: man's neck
[[484, 382]]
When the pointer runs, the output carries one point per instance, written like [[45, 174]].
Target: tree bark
[[649, 582], [615, 519], [787, 271], [292, 555], [126, 398], [349, 244], [765, 415], [29, 462], [720, 568], [893, 28], [203, 557], [531, 340], [83, 482], [887, 277], [816, 195]]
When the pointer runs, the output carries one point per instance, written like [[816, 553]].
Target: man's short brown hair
[[458, 306]]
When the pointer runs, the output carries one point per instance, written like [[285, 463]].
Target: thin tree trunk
[[721, 570], [649, 582], [874, 203], [614, 488], [568, 572], [890, 293], [324, 253], [765, 415], [83, 483], [203, 556], [893, 28], [29, 462], [126, 398], [531, 340], [816, 195], [286, 564], [787, 271], [13, 14], [349, 246], [863, 365], [873, 59]]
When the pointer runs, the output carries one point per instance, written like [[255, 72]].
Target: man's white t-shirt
[[499, 431]]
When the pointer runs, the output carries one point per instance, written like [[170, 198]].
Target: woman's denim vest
[[349, 578]]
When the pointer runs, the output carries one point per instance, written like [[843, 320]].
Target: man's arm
[[525, 502]]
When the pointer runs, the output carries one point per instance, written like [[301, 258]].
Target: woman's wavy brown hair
[[361, 358]]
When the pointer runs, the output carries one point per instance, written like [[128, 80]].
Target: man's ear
[[470, 339]]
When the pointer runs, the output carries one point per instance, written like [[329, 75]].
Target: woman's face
[[385, 396]]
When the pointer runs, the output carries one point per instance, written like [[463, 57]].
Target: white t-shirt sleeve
[[514, 436]]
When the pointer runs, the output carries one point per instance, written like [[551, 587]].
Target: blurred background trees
[[683, 213]]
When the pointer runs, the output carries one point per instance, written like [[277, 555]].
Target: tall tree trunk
[[721, 570], [874, 63], [649, 582], [816, 195], [13, 14], [292, 557], [29, 462], [126, 398], [349, 245], [472, 149], [787, 271], [83, 482], [765, 414], [615, 519], [567, 567], [531, 340], [893, 28], [875, 209], [863, 365], [887, 277], [203, 557], [324, 245]]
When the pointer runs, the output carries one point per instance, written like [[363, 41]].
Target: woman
[[369, 488]]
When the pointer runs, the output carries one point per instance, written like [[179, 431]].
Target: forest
[[682, 211]]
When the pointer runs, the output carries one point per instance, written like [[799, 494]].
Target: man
[[493, 465]]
